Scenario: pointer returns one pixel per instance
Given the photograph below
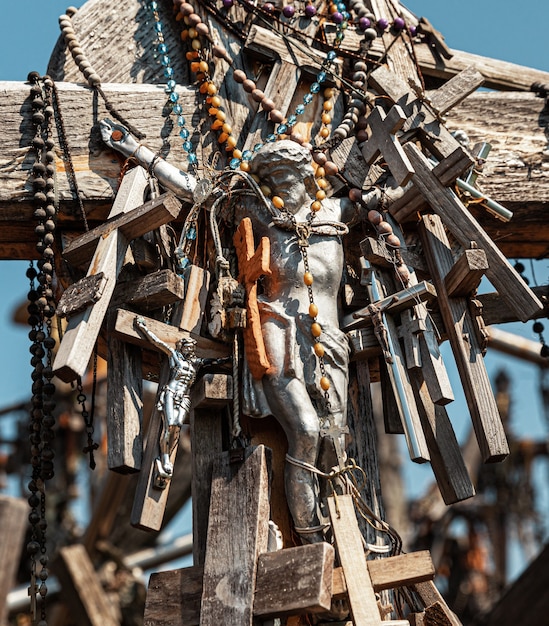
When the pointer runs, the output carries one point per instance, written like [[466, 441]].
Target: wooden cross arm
[[132, 224], [124, 328], [174, 597]]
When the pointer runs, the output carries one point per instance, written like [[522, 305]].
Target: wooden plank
[[149, 292], [237, 533], [496, 311], [447, 462], [294, 581], [79, 338], [132, 224], [197, 283], [82, 591], [207, 435], [466, 229], [362, 599], [467, 353], [13, 521], [401, 570], [124, 407]]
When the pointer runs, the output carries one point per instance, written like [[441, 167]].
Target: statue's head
[[284, 165], [186, 345]]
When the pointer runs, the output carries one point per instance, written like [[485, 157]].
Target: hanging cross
[[383, 141], [334, 433], [129, 218], [251, 266]]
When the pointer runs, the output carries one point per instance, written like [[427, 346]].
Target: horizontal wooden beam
[[513, 174]]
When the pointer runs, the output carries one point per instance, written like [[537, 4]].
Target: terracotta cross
[[251, 266]]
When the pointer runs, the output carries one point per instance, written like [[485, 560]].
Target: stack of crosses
[[235, 580]]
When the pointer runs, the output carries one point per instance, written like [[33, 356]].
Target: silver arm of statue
[[120, 139]]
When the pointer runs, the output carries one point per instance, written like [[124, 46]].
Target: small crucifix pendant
[[334, 432]]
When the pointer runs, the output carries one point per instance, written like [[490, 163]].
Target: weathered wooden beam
[[82, 591], [238, 530], [149, 292], [513, 174], [13, 521]]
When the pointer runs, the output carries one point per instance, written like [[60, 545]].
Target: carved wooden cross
[[383, 141], [129, 218], [251, 266]]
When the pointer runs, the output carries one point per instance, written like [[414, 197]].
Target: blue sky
[[512, 31]]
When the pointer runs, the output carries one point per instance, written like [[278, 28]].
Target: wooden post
[[82, 591], [210, 396], [468, 354], [13, 521], [362, 599], [234, 546]]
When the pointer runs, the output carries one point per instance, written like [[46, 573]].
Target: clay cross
[[289, 62], [129, 218], [251, 266], [383, 141]]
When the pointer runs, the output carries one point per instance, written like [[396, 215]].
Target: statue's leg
[[293, 409], [165, 439]]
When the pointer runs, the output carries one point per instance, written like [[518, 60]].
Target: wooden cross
[[424, 118], [251, 266], [129, 218], [383, 141], [467, 352], [465, 229], [396, 369]]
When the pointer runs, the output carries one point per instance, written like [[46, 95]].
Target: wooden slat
[[362, 599], [237, 533], [466, 273], [82, 591]]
